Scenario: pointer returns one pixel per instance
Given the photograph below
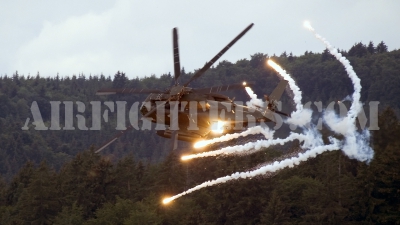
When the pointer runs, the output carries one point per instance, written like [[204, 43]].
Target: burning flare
[[269, 134], [186, 157], [167, 200], [307, 25], [218, 126], [200, 144]]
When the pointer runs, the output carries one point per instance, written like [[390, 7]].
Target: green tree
[[19, 183], [87, 179], [70, 216], [257, 60], [120, 80], [128, 180], [304, 199], [113, 213], [383, 173], [273, 213], [358, 50], [381, 47], [326, 55], [371, 48], [144, 212], [39, 203], [171, 176]]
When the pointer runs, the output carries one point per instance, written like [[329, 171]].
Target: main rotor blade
[[213, 60], [222, 88], [107, 91], [114, 139], [278, 91], [177, 65], [282, 113], [174, 140], [155, 108]]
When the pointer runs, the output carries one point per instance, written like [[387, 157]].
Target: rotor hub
[[177, 91]]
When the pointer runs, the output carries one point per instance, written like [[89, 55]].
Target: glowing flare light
[[187, 157], [200, 144], [252, 130], [167, 200], [307, 25], [218, 127]]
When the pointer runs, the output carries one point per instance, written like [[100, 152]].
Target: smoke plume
[[355, 144]]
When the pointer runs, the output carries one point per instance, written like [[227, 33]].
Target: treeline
[[320, 77], [328, 189]]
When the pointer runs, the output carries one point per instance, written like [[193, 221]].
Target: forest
[[54, 176]]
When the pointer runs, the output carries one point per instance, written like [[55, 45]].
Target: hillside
[[51, 175]]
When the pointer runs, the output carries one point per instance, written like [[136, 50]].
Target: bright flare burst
[[274, 65], [307, 25], [167, 200], [200, 144], [218, 127], [186, 157]]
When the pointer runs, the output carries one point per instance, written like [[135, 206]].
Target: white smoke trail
[[356, 145], [254, 101], [347, 98], [309, 139], [269, 134], [292, 83], [292, 153], [290, 162], [356, 106], [301, 116]]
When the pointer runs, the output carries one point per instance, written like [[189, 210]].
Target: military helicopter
[[190, 122]]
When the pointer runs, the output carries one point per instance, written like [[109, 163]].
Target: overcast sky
[[104, 36]]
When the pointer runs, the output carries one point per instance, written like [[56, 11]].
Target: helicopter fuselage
[[198, 115]]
